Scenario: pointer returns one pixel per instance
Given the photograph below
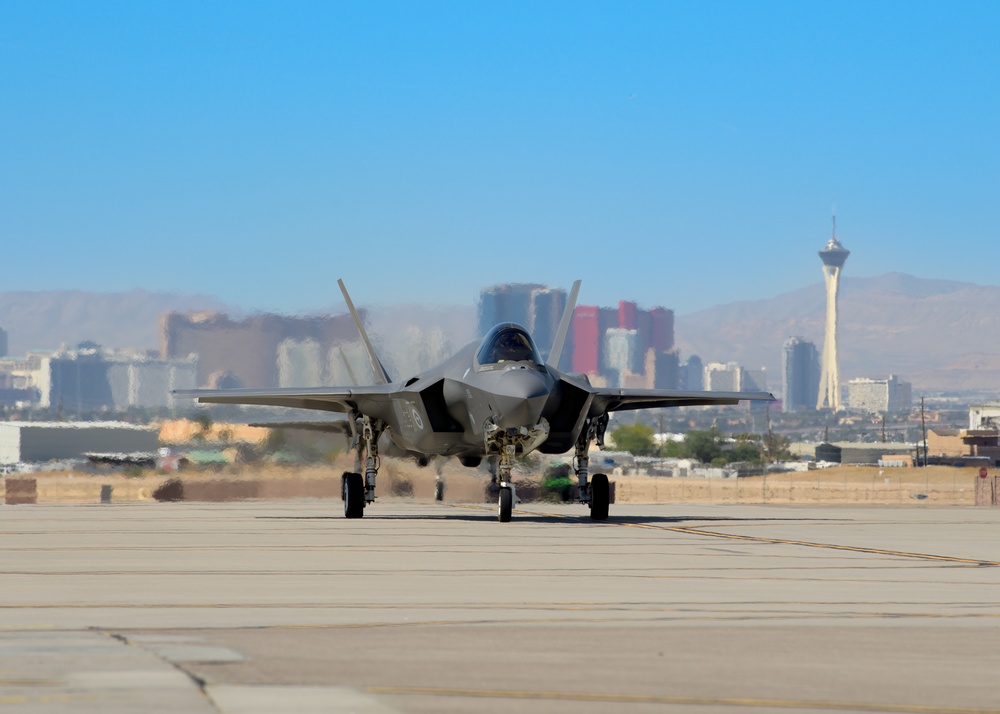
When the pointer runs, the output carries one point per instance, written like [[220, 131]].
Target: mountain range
[[939, 335]]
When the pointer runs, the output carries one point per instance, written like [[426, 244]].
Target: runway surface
[[422, 607]]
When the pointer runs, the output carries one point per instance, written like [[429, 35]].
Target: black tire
[[600, 497], [354, 495], [505, 504], [439, 491]]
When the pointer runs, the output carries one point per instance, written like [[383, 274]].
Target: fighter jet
[[496, 398]]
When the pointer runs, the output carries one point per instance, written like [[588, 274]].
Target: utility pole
[[923, 428]]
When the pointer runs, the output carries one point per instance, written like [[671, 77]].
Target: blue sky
[[677, 154]]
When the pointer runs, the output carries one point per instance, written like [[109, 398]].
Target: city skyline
[[257, 153], [959, 313]]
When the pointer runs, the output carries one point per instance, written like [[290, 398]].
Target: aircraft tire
[[506, 504], [600, 497], [354, 495]]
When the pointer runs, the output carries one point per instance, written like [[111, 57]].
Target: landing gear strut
[[502, 446], [506, 498], [357, 490], [596, 493]]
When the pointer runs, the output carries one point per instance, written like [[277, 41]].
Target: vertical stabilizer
[[381, 376], [567, 316]]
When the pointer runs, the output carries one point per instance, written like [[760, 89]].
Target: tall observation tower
[[834, 255]]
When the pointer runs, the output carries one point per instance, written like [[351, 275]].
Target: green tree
[[745, 451], [672, 449], [776, 447], [204, 421], [706, 446], [637, 439]]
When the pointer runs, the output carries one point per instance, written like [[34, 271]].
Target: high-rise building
[[661, 329], [621, 347], [731, 377], [666, 367], [753, 380], [586, 339], [692, 374], [263, 351], [834, 255], [509, 302], [546, 309], [721, 377], [3, 342], [799, 375]]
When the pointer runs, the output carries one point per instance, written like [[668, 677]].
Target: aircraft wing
[[330, 399], [608, 399]]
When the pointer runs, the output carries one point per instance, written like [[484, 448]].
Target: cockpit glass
[[508, 343]]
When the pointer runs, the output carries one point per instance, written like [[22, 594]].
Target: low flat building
[[39, 441], [963, 443]]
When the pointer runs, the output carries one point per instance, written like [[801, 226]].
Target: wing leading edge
[[330, 399], [610, 400]]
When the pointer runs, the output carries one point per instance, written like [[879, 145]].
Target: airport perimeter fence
[[909, 486]]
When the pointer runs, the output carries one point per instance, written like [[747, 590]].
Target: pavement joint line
[[777, 541], [679, 700], [46, 699], [680, 617]]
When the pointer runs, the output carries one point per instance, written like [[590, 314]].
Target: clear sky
[[677, 154]]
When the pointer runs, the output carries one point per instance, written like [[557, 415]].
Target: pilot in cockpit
[[507, 343], [513, 347]]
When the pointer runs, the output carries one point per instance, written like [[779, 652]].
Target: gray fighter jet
[[495, 398]]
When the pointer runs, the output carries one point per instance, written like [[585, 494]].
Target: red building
[[626, 315], [661, 329]]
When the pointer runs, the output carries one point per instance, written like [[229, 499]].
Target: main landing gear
[[356, 490], [596, 493]]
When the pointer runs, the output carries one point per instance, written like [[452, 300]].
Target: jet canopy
[[507, 342]]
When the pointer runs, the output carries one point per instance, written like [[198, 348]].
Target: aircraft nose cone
[[521, 395]]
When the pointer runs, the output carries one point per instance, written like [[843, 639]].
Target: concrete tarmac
[[423, 607]]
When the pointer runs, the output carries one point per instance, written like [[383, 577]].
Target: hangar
[[39, 441]]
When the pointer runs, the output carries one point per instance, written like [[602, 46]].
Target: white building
[[621, 351], [148, 382], [84, 380], [721, 377], [984, 416], [879, 396], [731, 377]]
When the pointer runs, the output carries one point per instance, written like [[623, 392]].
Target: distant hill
[[44, 320], [940, 335]]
